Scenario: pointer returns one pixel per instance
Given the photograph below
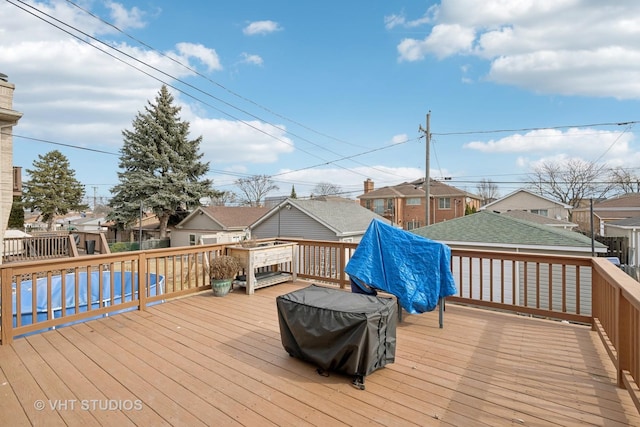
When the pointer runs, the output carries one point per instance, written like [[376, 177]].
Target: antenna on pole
[[427, 179]]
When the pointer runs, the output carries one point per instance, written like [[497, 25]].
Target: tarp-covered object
[[413, 268], [354, 334]]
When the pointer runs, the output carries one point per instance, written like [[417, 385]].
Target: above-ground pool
[[125, 287]]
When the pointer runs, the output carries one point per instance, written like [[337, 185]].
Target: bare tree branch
[[570, 182], [624, 181], [326, 189], [488, 191], [255, 188]]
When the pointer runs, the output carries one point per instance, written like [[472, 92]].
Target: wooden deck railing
[[577, 289], [616, 318], [53, 245], [105, 284], [36, 247]]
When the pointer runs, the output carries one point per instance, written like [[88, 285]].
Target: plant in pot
[[222, 271]]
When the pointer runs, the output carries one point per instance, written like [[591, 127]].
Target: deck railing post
[[343, 264], [143, 282], [6, 307], [623, 316]]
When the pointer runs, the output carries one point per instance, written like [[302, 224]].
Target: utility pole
[[427, 179]]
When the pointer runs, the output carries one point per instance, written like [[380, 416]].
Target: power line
[[174, 60], [58, 143], [475, 132], [184, 83], [628, 123]]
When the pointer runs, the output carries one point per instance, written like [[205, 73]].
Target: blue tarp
[[413, 268]]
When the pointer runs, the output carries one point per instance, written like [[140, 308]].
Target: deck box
[[339, 331]]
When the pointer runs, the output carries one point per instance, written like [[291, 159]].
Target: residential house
[[488, 230], [629, 228], [606, 211], [320, 218], [404, 204], [525, 200], [216, 224], [86, 223], [8, 119]]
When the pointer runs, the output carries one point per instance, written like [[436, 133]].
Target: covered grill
[[351, 333]]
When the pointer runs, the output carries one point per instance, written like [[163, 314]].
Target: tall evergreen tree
[[161, 168], [16, 216], [293, 193], [53, 188]]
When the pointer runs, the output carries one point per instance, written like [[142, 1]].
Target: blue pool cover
[[413, 268], [125, 286]]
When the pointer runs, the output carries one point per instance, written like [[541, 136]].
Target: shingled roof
[[501, 231], [539, 219], [231, 217], [343, 216], [415, 189], [619, 207]]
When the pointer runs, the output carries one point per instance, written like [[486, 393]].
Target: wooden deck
[[203, 360]]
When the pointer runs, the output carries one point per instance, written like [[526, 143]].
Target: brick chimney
[[368, 186]]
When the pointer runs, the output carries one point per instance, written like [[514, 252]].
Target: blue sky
[[334, 91]]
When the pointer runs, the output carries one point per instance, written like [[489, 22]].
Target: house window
[[444, 203], [192, 239], [414, 201], [378, 206], [367, 204], [543, 212]]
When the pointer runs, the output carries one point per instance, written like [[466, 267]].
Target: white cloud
[[392, 21], [261, 28], [582, 142], [577, 47], [207, 56], [227, 141], [251, 59], [125, 18], [444, 40], [400, 139], [97, 95], [400, 20]]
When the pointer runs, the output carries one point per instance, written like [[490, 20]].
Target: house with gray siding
[[320, 218]]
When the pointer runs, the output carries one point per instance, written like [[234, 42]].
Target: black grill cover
[[338, 331]]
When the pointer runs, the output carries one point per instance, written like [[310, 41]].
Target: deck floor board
[[202, 360]]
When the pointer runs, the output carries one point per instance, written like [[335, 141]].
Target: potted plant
[[222, 271]]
